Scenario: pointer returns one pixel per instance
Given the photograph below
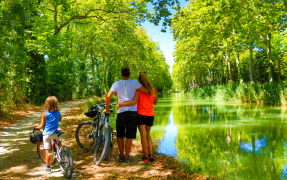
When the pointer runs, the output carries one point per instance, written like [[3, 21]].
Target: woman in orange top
[[145, 113]]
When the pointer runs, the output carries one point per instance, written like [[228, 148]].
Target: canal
[[224, 139]]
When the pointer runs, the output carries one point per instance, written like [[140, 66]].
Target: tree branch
[[55, 17], [58, 29], [285, 4]]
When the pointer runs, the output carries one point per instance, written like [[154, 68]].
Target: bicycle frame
[[98, 121], [56, 144]]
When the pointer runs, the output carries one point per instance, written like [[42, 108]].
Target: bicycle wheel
[[85, 136], [102, 146], [66, 162], [41, 152], [109, 142], [111, 137]]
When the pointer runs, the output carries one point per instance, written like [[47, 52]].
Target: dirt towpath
[[18, 156]]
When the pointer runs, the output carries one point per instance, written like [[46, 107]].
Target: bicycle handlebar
[[101, 106]]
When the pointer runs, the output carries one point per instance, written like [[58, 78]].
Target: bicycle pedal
[[50, 154]]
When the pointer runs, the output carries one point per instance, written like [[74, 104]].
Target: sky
[[165, 40]]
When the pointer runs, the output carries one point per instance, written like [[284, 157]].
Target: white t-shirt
[[126, 90]]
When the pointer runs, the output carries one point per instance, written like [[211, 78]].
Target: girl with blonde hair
[[145, 115], [50, 123]]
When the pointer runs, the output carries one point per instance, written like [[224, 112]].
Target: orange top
[[145, 104]]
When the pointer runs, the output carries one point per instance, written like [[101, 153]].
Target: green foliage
[[218, 42], [229, 92], [75, 49], [97, 100], [206, 92], [272, 93]]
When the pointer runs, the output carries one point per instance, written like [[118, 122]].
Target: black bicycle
[[91, 136], [103, 142]]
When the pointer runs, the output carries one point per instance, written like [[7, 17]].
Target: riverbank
[[273, 93], [163, 166]]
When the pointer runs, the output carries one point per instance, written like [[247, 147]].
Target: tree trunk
[[230, 71], [222, 74], [209, 77], [270, 60], [227, 67], [238, 66], [93, 71], [105, 76], [217, 76], [251, 63], [99, 93], [213, 77]]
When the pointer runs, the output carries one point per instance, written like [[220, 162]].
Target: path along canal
[[224, 139]]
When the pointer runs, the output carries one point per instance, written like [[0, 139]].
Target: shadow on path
[[18, 156]]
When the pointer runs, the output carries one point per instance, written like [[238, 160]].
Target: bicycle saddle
[[60, 133]]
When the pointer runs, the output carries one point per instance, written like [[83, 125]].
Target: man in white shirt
[[127, 115]]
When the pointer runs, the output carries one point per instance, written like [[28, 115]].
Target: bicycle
[[88, 132], [103, 141], [58, 153]]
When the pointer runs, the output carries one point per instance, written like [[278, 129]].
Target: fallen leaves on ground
[[18, 113], [163, 167]]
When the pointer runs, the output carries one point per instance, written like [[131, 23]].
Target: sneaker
[[46, 170], [145, 159], [119, 158], [128, 160], [151, 157]]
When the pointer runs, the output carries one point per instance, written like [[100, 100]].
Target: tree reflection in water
[[223, 139]]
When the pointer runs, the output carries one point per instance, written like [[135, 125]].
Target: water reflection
[[167, 144], [284, 167], [224, 139], [259, 144]]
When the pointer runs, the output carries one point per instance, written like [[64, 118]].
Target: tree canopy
[[75, 49], [222, 41]]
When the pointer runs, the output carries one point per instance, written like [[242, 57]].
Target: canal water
[[224, 139]]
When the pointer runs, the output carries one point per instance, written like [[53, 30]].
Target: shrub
[[206, 92], [273, 93]]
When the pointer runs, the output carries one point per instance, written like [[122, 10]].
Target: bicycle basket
[[92, 112], [36, 136]]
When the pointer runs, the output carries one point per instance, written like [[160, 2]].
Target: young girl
[[145, 113], [49, 123]]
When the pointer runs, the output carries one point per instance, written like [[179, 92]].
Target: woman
[[145, 112]]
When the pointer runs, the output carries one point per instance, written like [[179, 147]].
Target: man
[[127, 115]]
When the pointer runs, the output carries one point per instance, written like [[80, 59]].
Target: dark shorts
[[126, 124], [145, 120]]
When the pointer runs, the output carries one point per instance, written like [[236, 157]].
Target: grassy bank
[[163, 167], [273, 93]]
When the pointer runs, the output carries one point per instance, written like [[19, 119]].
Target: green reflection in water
[[225, 139]]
